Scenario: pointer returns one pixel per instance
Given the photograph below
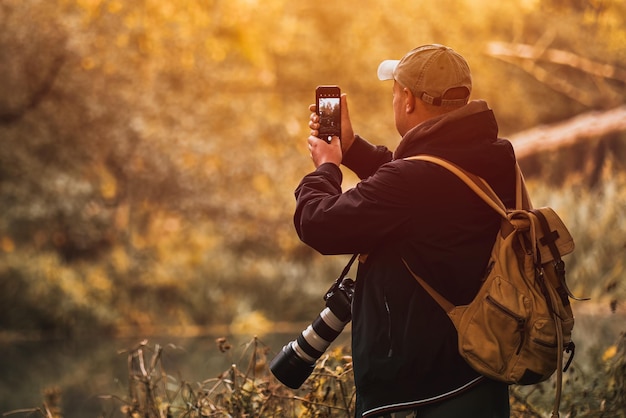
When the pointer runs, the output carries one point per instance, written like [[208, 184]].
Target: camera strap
[[343, 274], [346, 269]]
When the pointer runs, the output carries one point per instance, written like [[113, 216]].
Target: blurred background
[[150, 149]]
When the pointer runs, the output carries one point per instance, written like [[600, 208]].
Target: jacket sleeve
[[364, 158], [355, 221]]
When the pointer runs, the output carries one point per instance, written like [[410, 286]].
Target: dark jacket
[[404, 346]]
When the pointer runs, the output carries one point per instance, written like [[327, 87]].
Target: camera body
[[328, 108], [296, 361]]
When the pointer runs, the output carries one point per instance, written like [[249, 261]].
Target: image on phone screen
[[329, 111]]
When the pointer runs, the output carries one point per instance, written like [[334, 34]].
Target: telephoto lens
[[296, 361]]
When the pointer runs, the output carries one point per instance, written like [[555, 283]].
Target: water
[[85, 369]]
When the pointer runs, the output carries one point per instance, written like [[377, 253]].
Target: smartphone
[[328, 105]]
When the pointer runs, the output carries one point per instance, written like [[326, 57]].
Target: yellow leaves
[[138, 241], [212, 164], [132, 20], [114, 6], [215, 49], [76, 288], [529, 5], [178, 246], [147, 45], [92, 10], [99, 281], [251, 323], [107, 182], [89, 5], [262, 183], [189, 160], [182, 35], [287, 241], [88, 63], [7, 244], [187, 59], [609, 23], [609, 353], [120, 260], [122, 40]]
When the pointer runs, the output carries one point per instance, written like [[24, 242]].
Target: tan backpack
[[520, 322]]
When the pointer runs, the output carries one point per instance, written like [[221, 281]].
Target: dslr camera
[[296, 361]]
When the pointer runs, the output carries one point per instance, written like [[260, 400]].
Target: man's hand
[[323, 152], [347, 134]]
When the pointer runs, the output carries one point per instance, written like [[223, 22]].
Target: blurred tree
[[150, 149]]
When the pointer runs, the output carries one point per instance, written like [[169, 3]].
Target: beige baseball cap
[[429, 71]]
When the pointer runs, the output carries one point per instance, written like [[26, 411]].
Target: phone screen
[[328, 102]]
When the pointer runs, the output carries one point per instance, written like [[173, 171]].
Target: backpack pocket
[[481, 340], [544, 334]]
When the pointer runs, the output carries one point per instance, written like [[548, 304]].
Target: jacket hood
[[467, 136]]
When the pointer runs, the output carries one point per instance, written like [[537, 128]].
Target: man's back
[[404, 346]]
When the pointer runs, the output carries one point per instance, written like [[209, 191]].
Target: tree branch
[[506, 51], [586, 126], [527, 57]]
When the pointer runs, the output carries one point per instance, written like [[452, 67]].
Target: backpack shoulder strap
[[485, 192], [522, 199], [438, 297]]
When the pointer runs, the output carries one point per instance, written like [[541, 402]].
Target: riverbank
[[87, 367]]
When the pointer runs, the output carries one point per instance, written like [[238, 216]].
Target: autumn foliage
[[150, 149]]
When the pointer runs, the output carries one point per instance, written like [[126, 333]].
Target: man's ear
[[409, 101]]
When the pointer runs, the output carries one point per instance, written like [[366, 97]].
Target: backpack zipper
[[521, 322], [544, 343]]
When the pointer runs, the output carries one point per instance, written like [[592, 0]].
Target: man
[[404, 347]]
